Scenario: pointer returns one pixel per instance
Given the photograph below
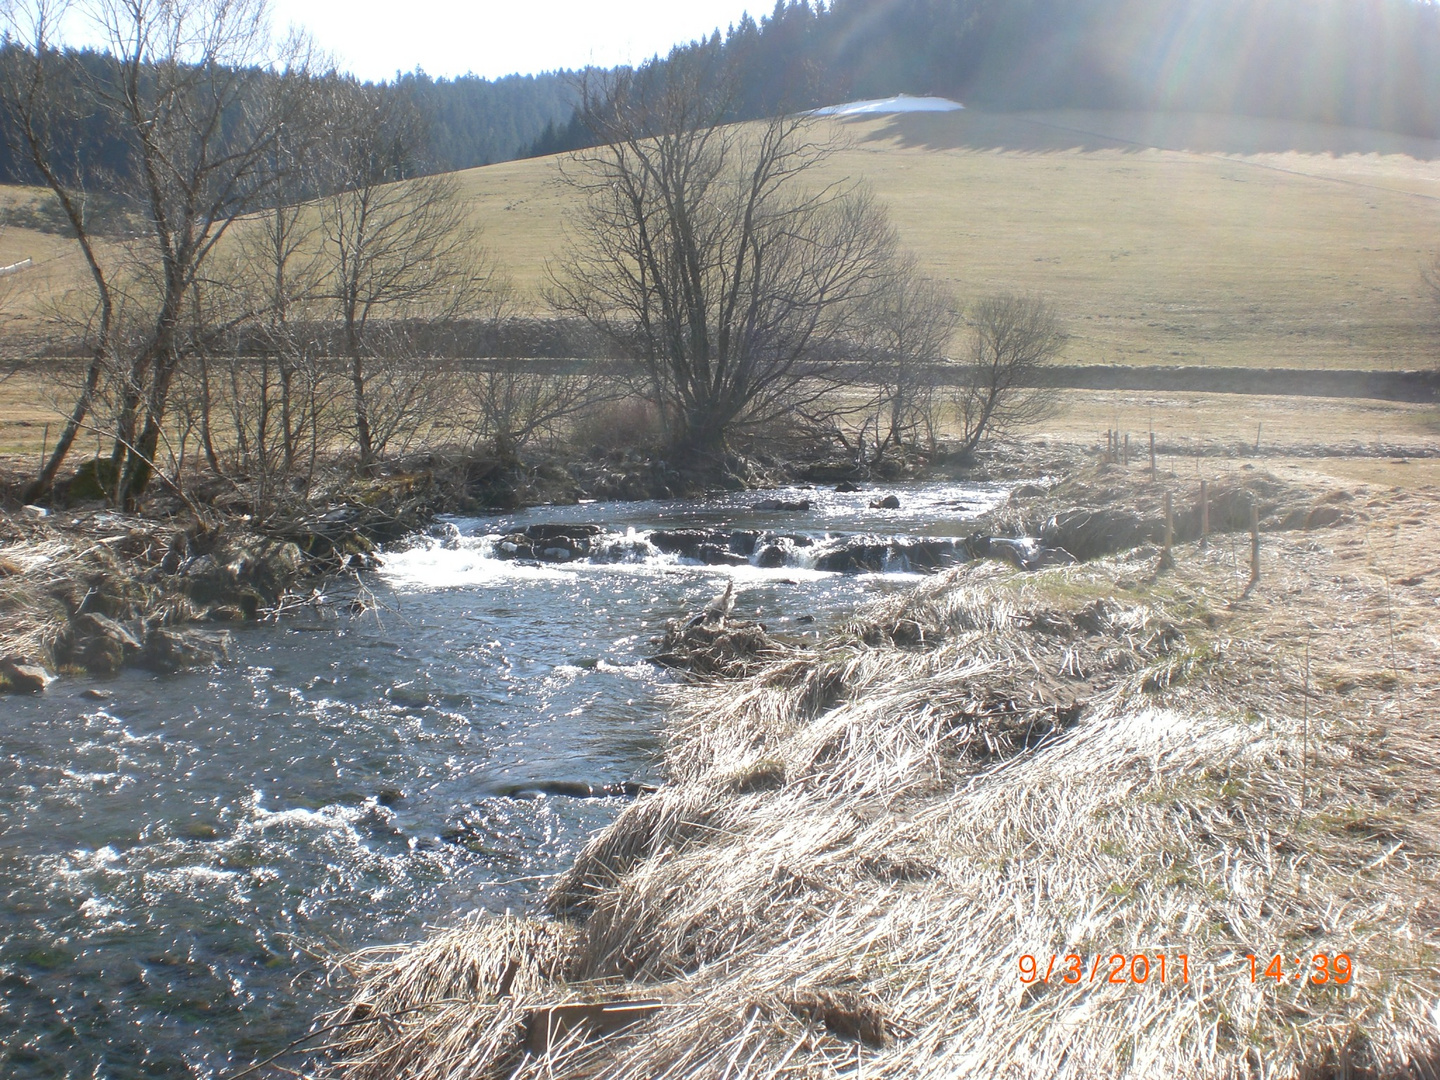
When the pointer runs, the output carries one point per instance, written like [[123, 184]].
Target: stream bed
[[180, 854]]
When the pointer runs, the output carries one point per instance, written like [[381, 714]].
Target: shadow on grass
[[1132, 132]]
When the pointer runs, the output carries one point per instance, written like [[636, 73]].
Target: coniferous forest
[[1365, 64], [1373, 64]]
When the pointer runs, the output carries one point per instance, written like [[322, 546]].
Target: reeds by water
[[857, 847]]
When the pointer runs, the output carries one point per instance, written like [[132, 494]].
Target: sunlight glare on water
[[179, 854]]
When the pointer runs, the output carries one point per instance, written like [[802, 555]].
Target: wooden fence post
[[1167, 557], [1152, 456], [1204, 516], [1254, 545]]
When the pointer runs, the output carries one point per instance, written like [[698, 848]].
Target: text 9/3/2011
[[1120, 968]]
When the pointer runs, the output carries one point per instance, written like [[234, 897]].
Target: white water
[[173, 856]]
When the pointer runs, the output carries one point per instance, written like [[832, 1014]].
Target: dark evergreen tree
[[1368, 63]]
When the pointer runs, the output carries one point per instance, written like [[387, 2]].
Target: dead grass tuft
[[858, 846]]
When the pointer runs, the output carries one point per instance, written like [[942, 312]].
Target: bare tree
[[182, 90], [279, 270], [1011, 338], [711, 255], [909, 327], [262, 395], [35, 92], [396, 249]]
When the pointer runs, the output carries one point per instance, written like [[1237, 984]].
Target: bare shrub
[[907, 330], [1011, 338], [629, 422], [516, 402], [397, 249], [262, 422]]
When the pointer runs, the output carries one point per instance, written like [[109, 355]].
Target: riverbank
[[1147, 756], [85, 588]]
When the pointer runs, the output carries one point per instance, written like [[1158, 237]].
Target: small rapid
[[180, 854]]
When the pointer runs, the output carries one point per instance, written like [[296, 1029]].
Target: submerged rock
[[446, 532], [771, 557], [549, 543], [98, 643], [889, 502], [684, 542], [20, 676], [576, 789], [1023, 553], [784, 505], [863, 554], [562, 531], [168, 649], [715, 555], [743, 541], [713, 547]]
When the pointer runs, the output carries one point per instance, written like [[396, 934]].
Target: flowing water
[[179, 854]]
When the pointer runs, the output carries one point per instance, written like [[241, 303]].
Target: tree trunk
[[46, 480], [362, 414]]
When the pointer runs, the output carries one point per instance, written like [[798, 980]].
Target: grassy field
[[28, 298], [1240, 242], [1162, 239]]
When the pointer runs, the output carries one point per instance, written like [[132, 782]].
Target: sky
[[375, 38]]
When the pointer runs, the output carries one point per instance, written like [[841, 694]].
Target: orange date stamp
[[1115, 968], [1318, 969]]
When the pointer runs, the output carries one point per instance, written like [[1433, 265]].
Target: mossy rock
[[98, 643], [248, 574], [97, 478]]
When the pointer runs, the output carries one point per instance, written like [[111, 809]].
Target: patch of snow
[[901, 103]]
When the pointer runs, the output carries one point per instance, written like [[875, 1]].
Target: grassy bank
[[860, 843], [1162, 239]]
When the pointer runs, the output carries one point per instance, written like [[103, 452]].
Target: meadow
[[1162, 239]]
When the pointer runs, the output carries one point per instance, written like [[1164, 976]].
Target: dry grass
[[32, 619], [857, 847], [1189, 423], [1161, 239], [1244, 242]]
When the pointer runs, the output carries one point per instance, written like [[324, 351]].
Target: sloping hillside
[[1164, 239], [29, 294]]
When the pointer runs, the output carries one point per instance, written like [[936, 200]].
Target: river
[[180, 854]]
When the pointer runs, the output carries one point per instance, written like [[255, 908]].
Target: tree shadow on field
[[1131, 132]]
